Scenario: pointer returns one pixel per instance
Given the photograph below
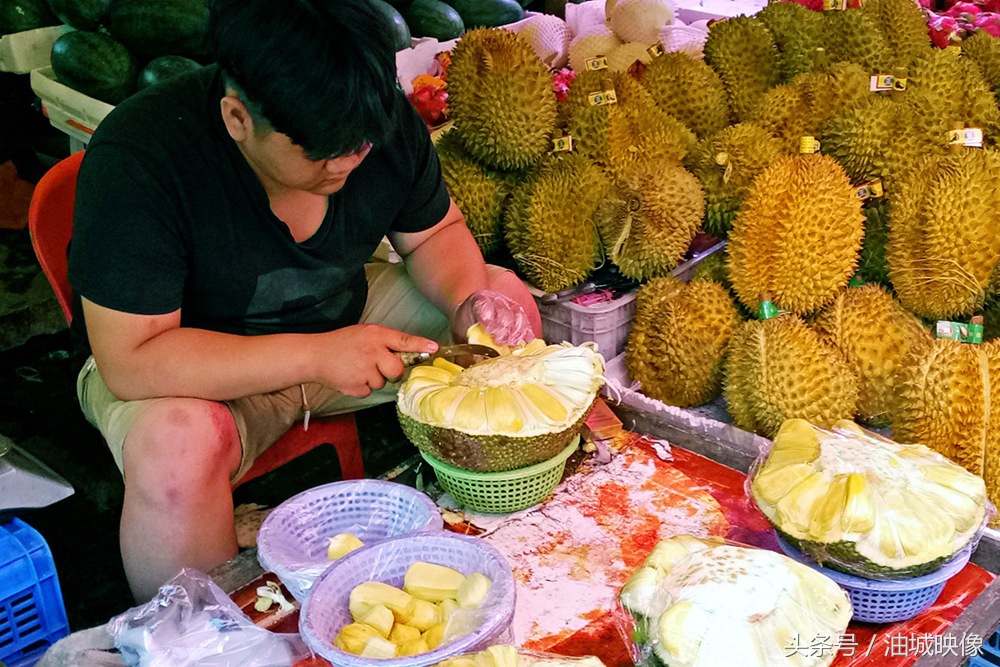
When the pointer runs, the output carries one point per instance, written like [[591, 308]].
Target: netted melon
[[503, 413], [699, 603], [866, 505]]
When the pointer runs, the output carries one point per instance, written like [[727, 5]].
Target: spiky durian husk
[[785, 114], [617, 135], [945, 90], [713, 269], [549, 224], [940, 401], [501, 98], [648, 219], [749, 149], [779, 369], [904, 26], [991, 453], [797, 235], [742, 51], [872, 267], [833, 88], [874, 333], [854, 36], [677, 344], [944, 234], [797, 34], [689, 90], [983, 50]]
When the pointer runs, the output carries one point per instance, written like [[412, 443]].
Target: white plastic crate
[[21, 52], [68, 110]]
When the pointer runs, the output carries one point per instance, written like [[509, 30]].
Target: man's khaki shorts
[[393, 301]]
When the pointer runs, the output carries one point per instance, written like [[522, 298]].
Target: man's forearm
[[448, 268]]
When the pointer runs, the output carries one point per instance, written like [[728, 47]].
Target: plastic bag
[[865, 505], [294, 539], [505, 655], [192, 622], [706, 602], [500, 316]]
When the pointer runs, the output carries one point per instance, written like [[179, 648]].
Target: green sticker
[[768, 310], [963, 332], [856, 281]]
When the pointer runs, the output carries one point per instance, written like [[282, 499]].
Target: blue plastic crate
[[32, 614], [991, 653]]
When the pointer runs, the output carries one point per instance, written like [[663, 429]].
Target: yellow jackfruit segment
[[448, 607], [436, 406], [502, 411], [859, 510], [828, 511], [380, 618], [473, 591], [379, 649], [353, 637], [403, 633], [550, 406], [414, 647], [477, 335], [957, 479], [534, 347], [369, 594], [434, 635], [678, 639], [773, 484], [425, 615], [471, 411], [788, 453], [432, 373], [960, 508], [795, 510], [341, 545], [432, 582], [444, 364], [503, 655]]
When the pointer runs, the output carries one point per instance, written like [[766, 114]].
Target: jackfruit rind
[[797, 33], [549, 221], [797, 235], [865, 505], [677, 345], [501, 98], [855, 36], [904, 26], [617, 135], [754, 598], [874, 333], [742, 52], [726, 165], [944, 235], [781, 369], [688, 89], [649, 218], [503, 413]]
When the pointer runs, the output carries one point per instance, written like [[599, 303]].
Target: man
[[222, 227]]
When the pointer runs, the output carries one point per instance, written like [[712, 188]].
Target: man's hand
[[500, 316], [362, 358]]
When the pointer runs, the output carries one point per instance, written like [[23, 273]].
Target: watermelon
[[95, 65], [161, 28], [80, 14], [433, 18], [21, 15], [400, 4], [487, 13], [400, 31], [163, 68]]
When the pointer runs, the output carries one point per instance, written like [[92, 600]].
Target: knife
[[454, 353]]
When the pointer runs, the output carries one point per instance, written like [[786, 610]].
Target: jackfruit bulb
[[502, 413], [865, 505]]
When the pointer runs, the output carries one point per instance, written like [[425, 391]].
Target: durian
[[689, 90], [780, 369], [797, 34], [904, 26], [797, 235], [640, 20], [726, 165], [983, 50], [677, 344], [742, 51], [649, 217], [855, 36], [549, 221], [875, 334], [872, 267], [501, 99]]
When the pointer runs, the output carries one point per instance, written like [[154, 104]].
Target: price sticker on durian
[[872, 190], [809, 145], [834, 5], [596, 64], [898, 83], [562, 144], [881, 83], [961, 331], [602, 98], [656, 50], [966, 136], [723, 160], [856, 281]]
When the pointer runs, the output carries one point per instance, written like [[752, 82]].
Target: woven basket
[[293, 539], [326, 611]]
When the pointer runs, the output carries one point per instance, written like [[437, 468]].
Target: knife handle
[[411, 358]]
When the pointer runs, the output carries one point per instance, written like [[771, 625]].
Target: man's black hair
[[321, 71]]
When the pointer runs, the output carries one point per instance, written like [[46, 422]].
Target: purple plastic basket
[[326, 611], [887, 601], [293, 540]]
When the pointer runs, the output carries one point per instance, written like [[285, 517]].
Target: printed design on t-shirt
[[304, 295]]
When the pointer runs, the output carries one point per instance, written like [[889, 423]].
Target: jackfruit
[[380, 618], [598, 41], [904, 26], [649, 217], [640, 20], [414, 647], [726, 165], [371, 594], [473, 591], [742, 51], [855, 36], [689, 90], [781, 369], [628, 54], [983, 50], [342, 544], [872, 267], [797, 34], [754, 598], [503, 413], [353, 637], [549, 221], [501, 99], [379, 649], [432, 583], [866, 505], [402, 634], [944, 235], [434, 636], [797, 235], [677, 345], [874, 333], [616, 135]]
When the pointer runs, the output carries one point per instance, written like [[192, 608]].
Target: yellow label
[[808, 145], [656, 50], [967, 136], [872, 190], [834, 5], [562, 144], [596, 64], [728, 173], [898, 84], [881, 83]]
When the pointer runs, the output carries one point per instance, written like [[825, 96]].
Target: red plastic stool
[[340, 430]]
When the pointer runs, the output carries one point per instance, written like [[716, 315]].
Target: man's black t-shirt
[[169, 215]]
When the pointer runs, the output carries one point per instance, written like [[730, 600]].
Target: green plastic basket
[[502, 492]]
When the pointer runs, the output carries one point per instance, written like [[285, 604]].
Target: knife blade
[[450, 353]]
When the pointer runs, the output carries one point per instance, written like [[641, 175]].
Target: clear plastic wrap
[[191, 622], [293, 541], [864, 505], [328, 609], [505, 655], [706, 602]]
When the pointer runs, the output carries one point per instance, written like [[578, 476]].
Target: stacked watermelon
[[449, 19]]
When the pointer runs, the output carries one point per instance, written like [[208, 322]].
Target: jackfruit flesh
[[502, 413], [866, 505]]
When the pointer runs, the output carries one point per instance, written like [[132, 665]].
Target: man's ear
[[238, 120]]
